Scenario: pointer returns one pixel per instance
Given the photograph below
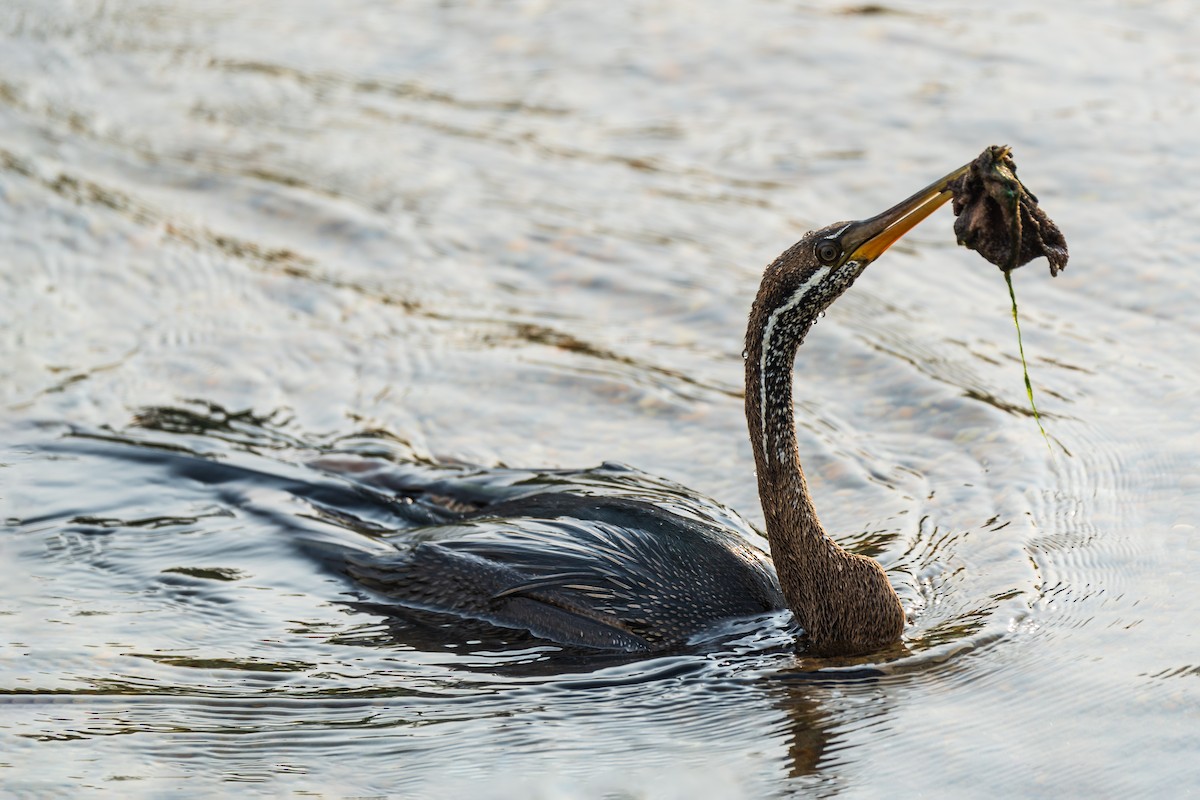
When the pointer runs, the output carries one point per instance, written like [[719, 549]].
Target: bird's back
[[607, 570]]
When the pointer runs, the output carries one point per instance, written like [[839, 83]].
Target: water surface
[[528, 235]]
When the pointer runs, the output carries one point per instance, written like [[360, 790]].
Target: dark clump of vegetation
[[1000, 219], [996, 216]]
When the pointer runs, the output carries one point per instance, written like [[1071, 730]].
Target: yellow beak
[[868, 239]]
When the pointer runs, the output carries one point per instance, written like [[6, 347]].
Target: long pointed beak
[[868, 239]]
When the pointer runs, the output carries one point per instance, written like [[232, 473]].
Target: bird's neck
[[794, 530], [844, 601]]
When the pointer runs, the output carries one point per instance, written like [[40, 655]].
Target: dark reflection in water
[[813, 727]]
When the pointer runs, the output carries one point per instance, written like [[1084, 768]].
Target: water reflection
[[816, 726]]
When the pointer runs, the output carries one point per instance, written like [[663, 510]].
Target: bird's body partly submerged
[[642, 574], [610, 570]]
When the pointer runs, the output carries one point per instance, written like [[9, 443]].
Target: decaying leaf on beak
[[999, 218]]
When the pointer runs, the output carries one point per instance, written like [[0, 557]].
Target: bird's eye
[[828, 252]]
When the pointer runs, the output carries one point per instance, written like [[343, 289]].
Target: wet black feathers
[[586, 570], [607, 558]]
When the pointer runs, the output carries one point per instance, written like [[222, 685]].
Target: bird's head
[[812, 273]]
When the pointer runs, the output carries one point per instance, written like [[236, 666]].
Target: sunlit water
[[528, 235]]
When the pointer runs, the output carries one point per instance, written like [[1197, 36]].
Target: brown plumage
[[843, 601]]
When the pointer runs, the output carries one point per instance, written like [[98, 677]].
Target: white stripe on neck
[[796, 299]]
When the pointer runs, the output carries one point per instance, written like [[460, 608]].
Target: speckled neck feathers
[[843, 601]]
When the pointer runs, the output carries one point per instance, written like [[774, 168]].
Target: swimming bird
[[569, 559]]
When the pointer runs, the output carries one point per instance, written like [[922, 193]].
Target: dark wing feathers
[[432, 577], [605, 558], [595, 571]]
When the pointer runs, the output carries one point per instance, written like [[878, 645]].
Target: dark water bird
[[565, 557]]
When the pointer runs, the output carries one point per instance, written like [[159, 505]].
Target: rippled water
[[528, 234]]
